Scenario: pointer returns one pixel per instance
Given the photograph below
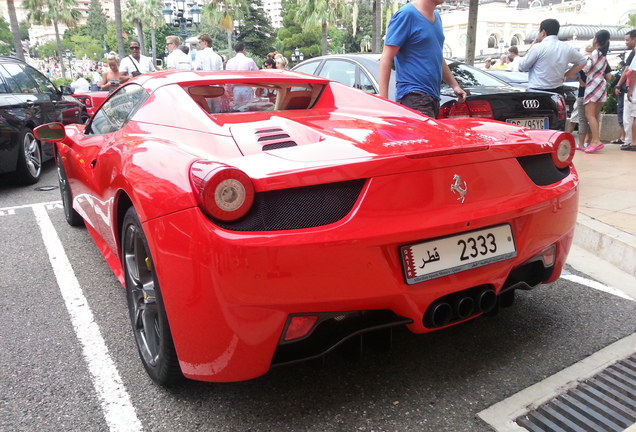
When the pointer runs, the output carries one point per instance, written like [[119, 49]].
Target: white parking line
[[118, 410]]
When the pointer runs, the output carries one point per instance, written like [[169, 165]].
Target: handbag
[[134, 73]]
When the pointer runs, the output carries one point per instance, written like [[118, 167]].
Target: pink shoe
[[593, 148]]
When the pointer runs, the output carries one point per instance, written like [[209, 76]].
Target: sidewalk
[[606, 225]]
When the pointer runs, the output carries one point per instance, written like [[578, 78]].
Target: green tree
[[359, 39], [6, 38], [120, 28], [96, 23], [321, 13], [292, 35], [152, 17], [112, 36], [55, 12], [256, 32], [85, 46], [15, 30], [224, 13], [134, 15]]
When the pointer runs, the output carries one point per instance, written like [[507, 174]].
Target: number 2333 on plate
[[448, 255]]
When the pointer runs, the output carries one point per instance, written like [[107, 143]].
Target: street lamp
[[69, 56], [297, 55], [501, 44], [179, 20]]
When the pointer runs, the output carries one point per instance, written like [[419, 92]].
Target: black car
[[520, 80], [488, 97], [28, 99]]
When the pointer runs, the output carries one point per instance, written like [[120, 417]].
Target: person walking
[[596, 87], [206, 58], [177, 59], [415, 39], [547, 60], [623, 88]]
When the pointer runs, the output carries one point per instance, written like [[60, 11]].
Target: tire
[[145, 304], [73, 218], [29, 166]]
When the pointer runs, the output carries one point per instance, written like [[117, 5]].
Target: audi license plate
[[531, 123], [448, 255]]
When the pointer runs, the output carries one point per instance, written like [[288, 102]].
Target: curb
[[607, 243]]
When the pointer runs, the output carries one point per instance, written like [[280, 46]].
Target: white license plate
[[448, 255], [531, 123]]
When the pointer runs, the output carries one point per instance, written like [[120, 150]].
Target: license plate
[[531, 123], [448, 255]]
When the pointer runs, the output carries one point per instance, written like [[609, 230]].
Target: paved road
[[53, 376]]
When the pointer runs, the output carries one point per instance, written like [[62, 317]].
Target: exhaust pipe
[[464, 307], [438, 315], [486, 300]]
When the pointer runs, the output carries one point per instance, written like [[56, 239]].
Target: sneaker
[[618, 141]]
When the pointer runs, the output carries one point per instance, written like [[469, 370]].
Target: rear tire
[[29, 166], [73, 218], [145, 305]]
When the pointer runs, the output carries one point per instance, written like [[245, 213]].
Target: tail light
[[223, 192], [299, 326], [562, 113], [473, 108], [562, 145], [88, 102]]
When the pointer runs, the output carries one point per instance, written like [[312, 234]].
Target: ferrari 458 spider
[[264, 218]]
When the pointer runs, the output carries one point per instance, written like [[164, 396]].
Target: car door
[[14, 114], [58, 108]]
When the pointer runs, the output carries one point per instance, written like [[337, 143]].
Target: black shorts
[[422, 102]]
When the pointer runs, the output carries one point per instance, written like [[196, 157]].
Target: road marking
[[595, 285], [118, 410]]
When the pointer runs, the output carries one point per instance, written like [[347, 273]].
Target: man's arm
[[571, 73], [386, 63], [448, 78]]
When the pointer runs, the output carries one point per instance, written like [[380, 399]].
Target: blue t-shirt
[[418, 63]]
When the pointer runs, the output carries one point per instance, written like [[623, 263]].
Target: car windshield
[[468, 76]]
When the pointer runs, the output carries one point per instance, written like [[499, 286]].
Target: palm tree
[[45, 12], [120, 28], [135, 14], [225, 12], [15, 30], [313, 13], [153, 18]]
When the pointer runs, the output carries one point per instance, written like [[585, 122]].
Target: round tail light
[[563, 149], [223, 192]]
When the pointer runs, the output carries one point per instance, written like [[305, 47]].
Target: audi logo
[[530, 104]]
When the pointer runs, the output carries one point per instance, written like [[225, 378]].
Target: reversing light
[[549, 256], [300, 326], [223, 192]]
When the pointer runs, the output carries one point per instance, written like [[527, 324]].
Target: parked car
[[520, 80], [488, 97], [269, 217], [28, 99], [91, 101]]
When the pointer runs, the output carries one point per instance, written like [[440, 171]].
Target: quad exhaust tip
[[459, 306]]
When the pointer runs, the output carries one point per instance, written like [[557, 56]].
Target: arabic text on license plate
[[531, 123], [448, 255]]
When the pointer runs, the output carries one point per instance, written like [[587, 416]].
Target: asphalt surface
[[434, 382]]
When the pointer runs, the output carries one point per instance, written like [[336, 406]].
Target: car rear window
[[468, 76], [251, 97]]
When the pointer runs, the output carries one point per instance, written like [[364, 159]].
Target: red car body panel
[[91, 100], [228, 294]]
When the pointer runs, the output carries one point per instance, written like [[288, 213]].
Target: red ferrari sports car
[[264, 218]]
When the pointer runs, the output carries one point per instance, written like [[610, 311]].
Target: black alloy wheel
[[145, 304], [73, 218], [29, 166]]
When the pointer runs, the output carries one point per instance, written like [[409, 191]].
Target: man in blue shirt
[[546, 62], [415, 40]]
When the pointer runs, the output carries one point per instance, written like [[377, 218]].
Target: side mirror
[[52, 132], [66, 90]]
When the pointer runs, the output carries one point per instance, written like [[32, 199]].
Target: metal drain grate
[[605, 402]]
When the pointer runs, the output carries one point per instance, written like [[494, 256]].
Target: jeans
[[620, 103]]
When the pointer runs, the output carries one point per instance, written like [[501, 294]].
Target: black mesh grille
[[278, 145], [298, 208], [273, 137], [542, 170]]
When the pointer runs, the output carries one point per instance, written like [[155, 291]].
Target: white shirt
[[80, 85], [547, 61], [177, 59], [144, 65], [513, 66], [240, 62], [208, 60], [632, 76]]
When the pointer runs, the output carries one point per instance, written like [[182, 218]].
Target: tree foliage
[[6, 37], [256, 32], [321, 14], [96, 23], [292, 35]]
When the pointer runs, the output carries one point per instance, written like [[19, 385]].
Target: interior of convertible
[[251, 97]]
